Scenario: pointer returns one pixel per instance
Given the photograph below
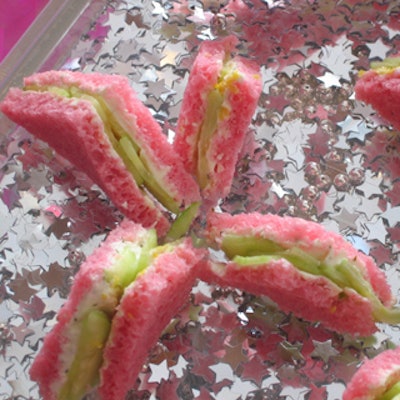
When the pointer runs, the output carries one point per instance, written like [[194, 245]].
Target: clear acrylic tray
[[312, 151]]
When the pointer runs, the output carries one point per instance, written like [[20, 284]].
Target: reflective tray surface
[[312, 151]]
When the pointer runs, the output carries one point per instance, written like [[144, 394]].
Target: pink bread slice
[[47, 369], [380, 88], [311, 297], [140, 315], [145, 310], [374, 377], [74, 129], [241, 99]]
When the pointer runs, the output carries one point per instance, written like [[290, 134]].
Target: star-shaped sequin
[[371, 185], [330, 80], [377, 230], [381, 254], [234, 355], [290, 352], [392, 216], [391, 32], [378, 49], [362, 131], [10, 196], [169, 57], [358, 243], [295, 153], [394, 234], [19, 386], [180, 367], [21, 289], [32, 309], [254, 370], [60, 228], [28, 201], [317, 392], [222, 371], [277, 103], [137, 19], [56, 278], [236, 390], [346, 218], [369, 207], [159, 372], [295, 180], [363, 110], [21, 332], [158, 9], [339, 57], [350, 124], [393, 194], [319, 142], [170, 30], [156, 88]]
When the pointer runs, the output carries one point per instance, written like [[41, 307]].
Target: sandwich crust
[[138, 317], [47, 368], [74, 129], [145, 310], [240, 96], [374, 377], [313, 297], [382, 92]]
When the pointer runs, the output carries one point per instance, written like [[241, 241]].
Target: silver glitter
[[314, 152]]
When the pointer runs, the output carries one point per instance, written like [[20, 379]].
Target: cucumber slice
[[296, 257], [249, 261], [132, 259], [248, 251], [248, 245], [158, 192], [391, 394], [123, 144], [95, 326], [387, 65], [217, 110], [208, 127], [130, 153], [302, 260], [131, 159], [364, 288], [59, 91], [182, 222], [142, 176], [83, 374]]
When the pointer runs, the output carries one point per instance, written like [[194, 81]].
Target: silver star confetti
[[317, 153]]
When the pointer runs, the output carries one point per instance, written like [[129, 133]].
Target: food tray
[[312, 151]]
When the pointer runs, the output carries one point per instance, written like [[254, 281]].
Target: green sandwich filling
[[83, 374], [393, 393], [217, 110], [122, 142], [386, 66], [249, 251], [182, 222], [94, 325]]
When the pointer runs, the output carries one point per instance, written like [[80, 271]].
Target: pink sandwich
[[219, 102], [122, 298], [306, 270], [377, 378], [380, 87], [97, 122]]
